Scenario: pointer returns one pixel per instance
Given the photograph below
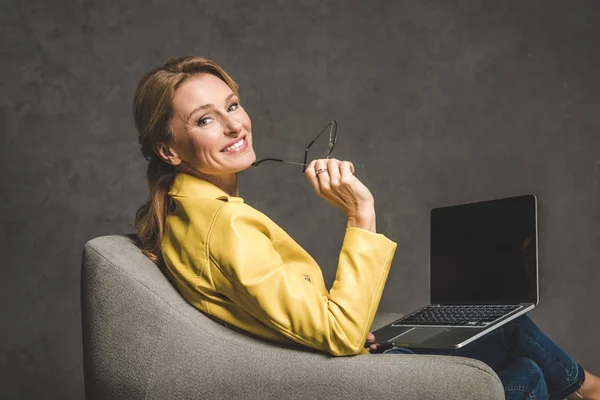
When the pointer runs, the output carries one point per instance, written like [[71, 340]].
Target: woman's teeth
[[237, 145]]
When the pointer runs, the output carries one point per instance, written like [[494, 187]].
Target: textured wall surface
[[438, 102]]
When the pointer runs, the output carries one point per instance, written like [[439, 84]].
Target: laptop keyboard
[[469, 316]]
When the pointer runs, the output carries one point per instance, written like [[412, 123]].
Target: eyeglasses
[[331, 128]]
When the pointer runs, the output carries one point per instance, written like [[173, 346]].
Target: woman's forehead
[[200, 90]]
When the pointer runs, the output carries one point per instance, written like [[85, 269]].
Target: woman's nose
[[233, 126]]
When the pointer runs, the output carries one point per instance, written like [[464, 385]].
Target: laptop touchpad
[[418, 335]]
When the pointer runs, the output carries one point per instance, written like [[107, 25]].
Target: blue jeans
[[529, 364]]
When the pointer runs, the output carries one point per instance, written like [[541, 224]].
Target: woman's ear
[[167, 153]]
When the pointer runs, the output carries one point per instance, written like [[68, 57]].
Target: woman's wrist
[[364, 219]]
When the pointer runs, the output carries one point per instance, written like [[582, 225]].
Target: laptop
[[483, 274]]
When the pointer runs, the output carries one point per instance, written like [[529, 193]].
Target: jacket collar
[[186, 185]]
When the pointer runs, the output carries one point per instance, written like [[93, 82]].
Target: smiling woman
[[225, 257]]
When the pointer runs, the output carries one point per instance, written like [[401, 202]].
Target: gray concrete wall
[[438, 102]]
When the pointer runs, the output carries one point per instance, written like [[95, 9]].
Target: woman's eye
[[203, 121], [233, 107]]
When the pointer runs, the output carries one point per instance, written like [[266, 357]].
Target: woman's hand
[[334, 180], [371, 344]]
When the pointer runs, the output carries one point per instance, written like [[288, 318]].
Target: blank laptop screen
[[485, 252]]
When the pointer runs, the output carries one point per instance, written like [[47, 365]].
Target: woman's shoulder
[[235, 209]]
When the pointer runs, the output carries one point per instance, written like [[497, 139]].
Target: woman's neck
[[226, 182]]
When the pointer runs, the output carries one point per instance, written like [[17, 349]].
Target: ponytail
[[150, 217]]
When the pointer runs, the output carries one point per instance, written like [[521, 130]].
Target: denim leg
[[563, 375], [521, 338], [523, 379]]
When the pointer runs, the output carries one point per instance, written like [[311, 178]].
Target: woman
[[236, 265]]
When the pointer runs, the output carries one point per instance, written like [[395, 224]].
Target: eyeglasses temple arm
[[257, 163]]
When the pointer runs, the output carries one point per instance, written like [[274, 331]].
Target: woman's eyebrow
[[205, 106], [202, 107]]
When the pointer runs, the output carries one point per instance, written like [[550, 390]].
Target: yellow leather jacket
[[232, 262]]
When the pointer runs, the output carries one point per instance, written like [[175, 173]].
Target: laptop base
[[441, 337]]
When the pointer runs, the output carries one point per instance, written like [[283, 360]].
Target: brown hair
[[153, 110]]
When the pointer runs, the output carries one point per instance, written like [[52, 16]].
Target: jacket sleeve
[[275, 293]]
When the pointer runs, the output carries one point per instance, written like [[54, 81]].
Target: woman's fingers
[[322, 173], [312, 176], [331, 175], [372, 345], [346, 172], [333, 166], [370, 338]]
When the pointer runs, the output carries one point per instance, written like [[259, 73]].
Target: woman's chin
[[244, 162], [249, 159]]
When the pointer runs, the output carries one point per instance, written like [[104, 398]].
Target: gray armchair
[[142, 340]]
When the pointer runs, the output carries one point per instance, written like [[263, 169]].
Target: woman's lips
[[240, 149]]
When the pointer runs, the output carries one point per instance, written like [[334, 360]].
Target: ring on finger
[[322, 170]]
